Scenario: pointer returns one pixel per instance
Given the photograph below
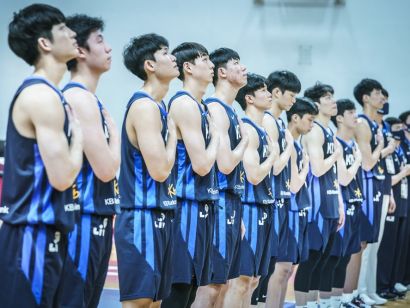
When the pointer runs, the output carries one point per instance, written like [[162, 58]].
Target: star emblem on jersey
[[358, 193], [116, 188], [270, 192], [76, 192], [380, 169], [336, 184], [171, 190], [242, 176]]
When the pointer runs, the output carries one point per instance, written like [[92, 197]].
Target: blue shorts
[[85, 269], [226, 256], [31, 265], [255, 246], [298, 241], [320, 230], [143, 241], [371, 210], [192, 250], [282, 212], [347, 239]]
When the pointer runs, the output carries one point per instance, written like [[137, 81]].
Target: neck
[[345, 133], [379, 118], [225, 92], [86, 77], [156, 89], [50, 70], [275, 110], [323, 119], [255, 114], [293, 131], [370, 111], [195, 88]]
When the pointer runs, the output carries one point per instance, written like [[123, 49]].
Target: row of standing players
[[207, 200]]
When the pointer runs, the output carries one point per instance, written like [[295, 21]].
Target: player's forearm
[[370, 162], [170, 149], [282, 161], [395, 179]]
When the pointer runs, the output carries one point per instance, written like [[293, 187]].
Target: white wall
[[336, 45]]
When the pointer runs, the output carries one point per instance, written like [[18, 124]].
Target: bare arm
[[346, 175], [227, 159], [298, 179], [405, 171], [45, 113], [144, 128], [272, 130], [104, 157], [255, 171], [363, 137], [389, 149], [313, 142], [187, 119]]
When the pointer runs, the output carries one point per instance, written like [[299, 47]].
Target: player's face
[[407, 128], [99, 54], [328, 105], [203, 69], [376, 99], [305, 124], [396, 128], [262, 98], [236, 73], [165, 64], [350, 118], [64, 44], [286, 100]]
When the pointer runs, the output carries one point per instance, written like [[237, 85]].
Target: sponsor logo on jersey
[[53, 246], [159, 223], [231, 220], [4, 209], [100, 230], [261, 221], [205, 213]]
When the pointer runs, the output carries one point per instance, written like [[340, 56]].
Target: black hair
[[284, 80], [28, 25], [385, 93], [404, 115], [220, 58], [393, 120], [318, 90], [83, 26], [365, 87], [302, 106], [139, 50], [343, 105], [188, 52], [255, 82]]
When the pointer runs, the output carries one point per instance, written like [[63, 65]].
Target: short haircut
[[365, 87], [284, 80], [404, 115], [220, 58], [28, 25], [255, 82], [318, 90], [83, 26], [343, 105], [139, 50], [302, 106], [188, 52], [385, 93], [393, 120]]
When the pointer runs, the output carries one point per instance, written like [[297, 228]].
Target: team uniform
[[394, 232], [37, 219], [143, 230], [372, 190], [258, 202], [347, 240], [90, 243], [298, 242], [227, 235], [404, 278], [195, 214]]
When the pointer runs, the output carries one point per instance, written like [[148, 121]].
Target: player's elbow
[[106, 175], [159, 175], [201, 169], [253, 179], [60, 183]]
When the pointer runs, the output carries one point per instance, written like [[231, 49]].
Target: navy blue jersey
[[262, 192], [191, 186], [95, 196], [352, 193], [234, 181], [300, 200], [400, 190], [28, 197], [378, 170], [324, 190], [281, 182], [138, 188]]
